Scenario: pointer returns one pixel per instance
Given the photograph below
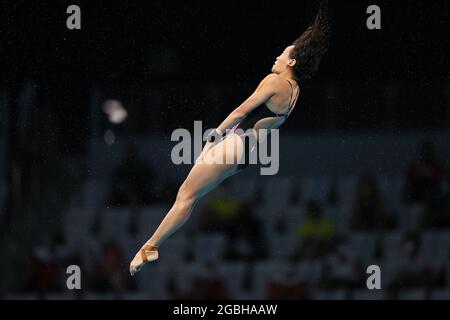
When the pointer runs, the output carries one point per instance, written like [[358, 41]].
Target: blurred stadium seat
[[434, 249], [154, 281], [61, 296], [279, 188], [233, 275], [392, 245], [408, 216], [209, 247], [418, 294], [363, 245], [77, 225], [94, 193], [346, 191], [150, 218], [135, 296], [366, 294], [440, 294], [315, 188], [115, 223], [329, 295]]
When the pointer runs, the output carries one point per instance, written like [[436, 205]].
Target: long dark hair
[[312, 44]]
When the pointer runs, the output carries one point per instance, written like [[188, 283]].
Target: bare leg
[[202, 178]]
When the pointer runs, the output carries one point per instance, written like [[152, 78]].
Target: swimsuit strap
[[291, 101]]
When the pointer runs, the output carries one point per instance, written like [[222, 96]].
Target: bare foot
[[145, 254]]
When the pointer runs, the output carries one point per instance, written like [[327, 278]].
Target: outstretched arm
[[265, 90]]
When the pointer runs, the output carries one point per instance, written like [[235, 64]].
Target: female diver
[[267, 108]]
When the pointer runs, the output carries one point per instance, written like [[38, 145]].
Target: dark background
[[378, 95], [171, 44]]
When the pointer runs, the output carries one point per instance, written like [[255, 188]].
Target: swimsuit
[[250, 121]]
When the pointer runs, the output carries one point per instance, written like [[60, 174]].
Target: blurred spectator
[[132, 182], [221, 210], [317, 233], [109, 272], [368, 211], [425, 178], [45, 267], [332, 195], [286, 285], [207, 284], [427, 186], [411, 271], [225, 213], [342, 270], [436, 214], [294, 197]]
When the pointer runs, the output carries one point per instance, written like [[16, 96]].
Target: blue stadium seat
[[94, 193], [98, 296], [315, 188], [309, 272], [363, 245], [434, 250], [209, 247], [21, 296], [263, 273], [150, 218], [390, 188], [347, 190], [233, 275], [153, 280], [329, 295], [408, 217], [277, 192], [61, 296], [77, 224], [440, 294], [115, 223], [366, 294], [2, 193], [244, 189], [135, 296], [392, 245], [416, 294]]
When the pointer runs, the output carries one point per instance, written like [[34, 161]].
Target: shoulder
[[271, 82], [272, 79]]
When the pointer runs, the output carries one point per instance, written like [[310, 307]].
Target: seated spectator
[[411, 271], [109, 272], [317, 233], [225, 213], [425, 177], [436, 215], [332, 194], [286, 286], [368, 211], [207, 284], [342, 270], [221, 210], [132, 182], [46, 266]]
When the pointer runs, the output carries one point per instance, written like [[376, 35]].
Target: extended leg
[[202, 179]]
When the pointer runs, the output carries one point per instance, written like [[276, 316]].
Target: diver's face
[[284, 61]]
